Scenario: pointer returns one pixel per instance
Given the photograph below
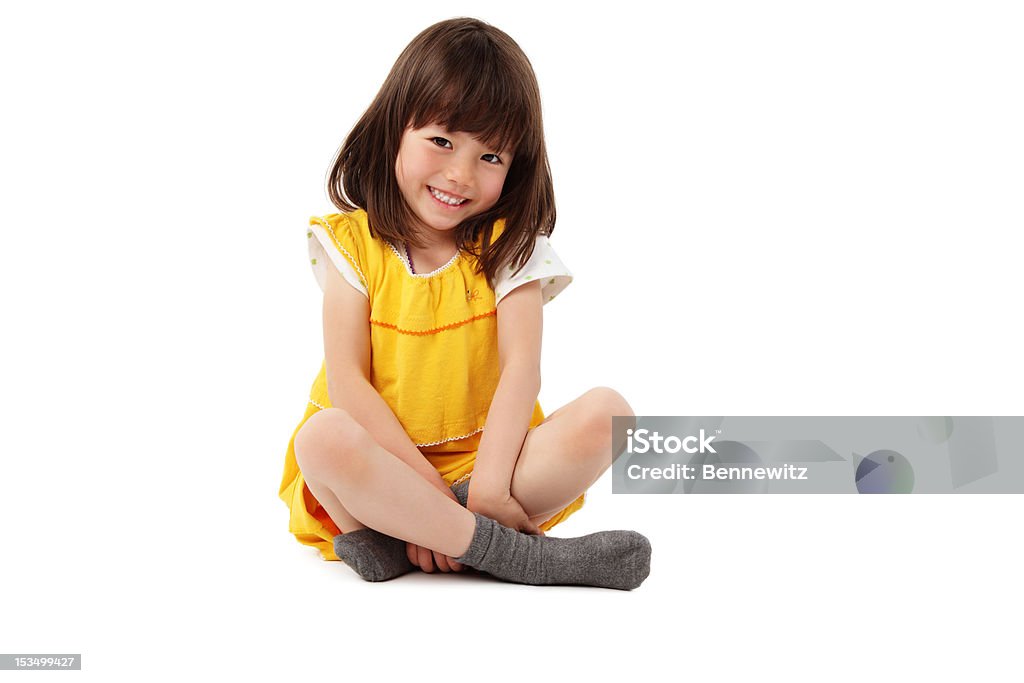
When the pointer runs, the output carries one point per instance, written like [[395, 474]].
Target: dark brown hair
[[466, 76]]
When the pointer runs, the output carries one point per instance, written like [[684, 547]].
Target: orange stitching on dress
[[436, 329]]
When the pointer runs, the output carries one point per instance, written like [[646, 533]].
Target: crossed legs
[[362, 485], [560, 459]]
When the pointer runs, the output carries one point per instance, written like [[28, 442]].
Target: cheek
[[406, 163], [408, 177], [411, 168], [494, 186]]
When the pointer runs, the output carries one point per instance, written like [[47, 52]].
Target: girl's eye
[[442, 142], [491, 159]]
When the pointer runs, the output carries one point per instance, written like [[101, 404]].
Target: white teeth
[[447, 199]]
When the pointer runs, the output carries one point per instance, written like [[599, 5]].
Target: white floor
[[740, 587]]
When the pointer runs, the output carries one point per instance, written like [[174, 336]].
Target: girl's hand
[[425, 558], [504, 509]]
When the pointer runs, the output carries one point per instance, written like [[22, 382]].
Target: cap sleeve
[[544, 265], [331, 241]]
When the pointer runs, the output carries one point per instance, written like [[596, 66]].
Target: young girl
[[433, 280]]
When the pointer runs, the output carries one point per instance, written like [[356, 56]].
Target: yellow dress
[[434, 356]]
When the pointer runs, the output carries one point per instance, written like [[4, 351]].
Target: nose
[[460, 170]]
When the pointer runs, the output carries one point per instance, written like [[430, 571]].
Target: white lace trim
[[454, 438], [408, 268], [351, 259], [317, 404], [463, 478]]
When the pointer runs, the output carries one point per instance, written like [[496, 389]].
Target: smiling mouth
[[445, 199]]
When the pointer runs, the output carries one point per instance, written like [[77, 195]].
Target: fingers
[[426, 557], [446, 564], [451, 563], [441, 560], [419, 557], [410, 552]]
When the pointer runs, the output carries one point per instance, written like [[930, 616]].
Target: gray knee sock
[[461, 491], [379, 557], [609, 559], [373, 555]]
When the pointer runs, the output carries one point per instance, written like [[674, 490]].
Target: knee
[[610, 401], [330, 442], [602, 404]]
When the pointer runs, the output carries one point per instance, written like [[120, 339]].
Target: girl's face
[[447, 176]]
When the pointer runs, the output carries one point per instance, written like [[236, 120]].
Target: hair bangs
[[472, 94]]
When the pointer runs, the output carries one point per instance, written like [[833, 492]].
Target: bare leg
[[388, 496], [337, 512], [563, 456], [372, 487]]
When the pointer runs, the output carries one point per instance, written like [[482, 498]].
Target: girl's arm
[[347, 355], [520, 324]]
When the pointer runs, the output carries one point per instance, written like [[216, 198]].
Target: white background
[[791, 208]]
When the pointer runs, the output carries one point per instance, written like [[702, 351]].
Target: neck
[[436, 240], [431, 257]]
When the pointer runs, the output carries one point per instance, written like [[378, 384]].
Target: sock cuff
[[359, 534], [481, 541]]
